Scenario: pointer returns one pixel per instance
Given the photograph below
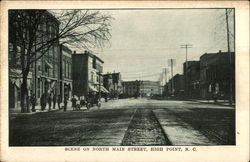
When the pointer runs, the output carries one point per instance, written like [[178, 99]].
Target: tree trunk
[[24, 95]]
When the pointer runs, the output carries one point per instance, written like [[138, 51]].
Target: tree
[[77, 28]]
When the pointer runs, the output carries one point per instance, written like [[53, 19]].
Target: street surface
[[126, 122]]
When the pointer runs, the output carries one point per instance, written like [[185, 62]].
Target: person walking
[[65, 102], [59, 100], [33, 102], [54, 101], [73, 100], [43, 101], [49, 99], [106, 97]]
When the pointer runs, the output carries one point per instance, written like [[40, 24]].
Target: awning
[[16, 73], [48, 64], [92, 89], [15, 76], [104, 90]]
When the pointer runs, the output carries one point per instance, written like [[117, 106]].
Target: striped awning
[[104, 90], [92, 89]]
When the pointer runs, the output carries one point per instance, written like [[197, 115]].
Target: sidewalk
[[16, 111], [38, 109], [219, 102]]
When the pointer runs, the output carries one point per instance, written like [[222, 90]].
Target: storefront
[[15, 82]]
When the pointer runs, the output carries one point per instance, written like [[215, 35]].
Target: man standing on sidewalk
[[73, 100], [43, 101], [33, 102], [65, 102], [59, 100], [54, 101], [49, 101]]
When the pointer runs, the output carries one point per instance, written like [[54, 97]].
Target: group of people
[[49, 99]]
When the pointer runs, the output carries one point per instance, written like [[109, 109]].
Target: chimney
[[74, 52], [219, 51]]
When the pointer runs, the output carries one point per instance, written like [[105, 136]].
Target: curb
[[163, 131]]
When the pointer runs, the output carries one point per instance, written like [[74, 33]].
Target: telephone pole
[[186, 46], [172, 62], [230, 63]]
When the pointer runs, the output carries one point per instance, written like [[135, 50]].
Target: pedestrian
[[54, 101], [43, 101], [33, 102], [106, 97], [59, 100], [65, 102], [73, 100], [49, 99]]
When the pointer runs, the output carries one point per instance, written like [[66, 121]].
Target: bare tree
[[76, 28]]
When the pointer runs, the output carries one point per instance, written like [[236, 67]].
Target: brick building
[[176, 86], [87, 71], [113, 83], [65, 71], [215, 74], [131, 88], [44, 73], [141, 88], [191, 74], [149, 88]]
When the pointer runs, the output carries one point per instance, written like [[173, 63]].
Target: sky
[[143, 40]]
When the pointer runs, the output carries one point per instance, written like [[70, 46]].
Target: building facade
[[44, 72], [191, 74], [87, 71], [131, 88], [113, 83], [149, 88], [141, 88], [176, 86], [65, 71], [217, 74]]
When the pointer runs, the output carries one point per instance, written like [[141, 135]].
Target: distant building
[[141, 88], [191, 71], [87, 71], [131, 88], [176, 86], [113, 83], [108, 82], [215, 74], [149, 88]]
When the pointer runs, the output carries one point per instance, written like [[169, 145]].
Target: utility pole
[[230, 63], [172, 62], [166, 74], [165, 80], [172, 76], [186, 46]]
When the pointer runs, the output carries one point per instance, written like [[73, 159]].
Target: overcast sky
[[143, 40]]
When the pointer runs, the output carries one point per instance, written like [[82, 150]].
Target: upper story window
[[92, 76], [94, 63]]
